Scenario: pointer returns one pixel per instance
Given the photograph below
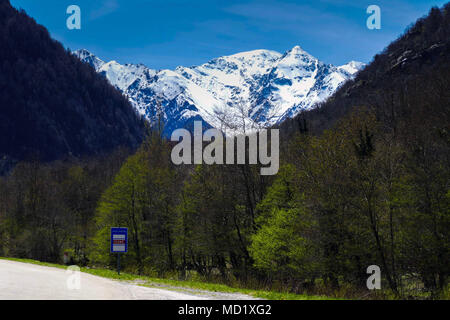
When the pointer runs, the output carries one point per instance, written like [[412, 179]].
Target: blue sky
[[167, 33]]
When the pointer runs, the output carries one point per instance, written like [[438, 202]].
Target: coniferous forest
[[364, 179]]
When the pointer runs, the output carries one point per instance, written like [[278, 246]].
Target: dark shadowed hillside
[[51, 104], [378, 154], [408, 84]]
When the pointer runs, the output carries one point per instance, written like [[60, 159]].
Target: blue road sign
[[119, 240]]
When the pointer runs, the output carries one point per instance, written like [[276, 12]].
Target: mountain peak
[[83, 53], [297, 50], [90, 58], [264, 53], [266, 85]]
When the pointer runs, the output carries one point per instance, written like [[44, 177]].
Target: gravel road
[[23, 281]]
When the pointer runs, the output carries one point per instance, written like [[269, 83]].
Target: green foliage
[[46, 209], [142, 199], [279, 247], [216, 218], [282, 246]]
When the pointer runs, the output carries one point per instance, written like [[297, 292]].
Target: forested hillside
[[408, 81], [364, 180], [52, 105]]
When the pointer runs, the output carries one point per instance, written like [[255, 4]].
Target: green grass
[[177, 284]]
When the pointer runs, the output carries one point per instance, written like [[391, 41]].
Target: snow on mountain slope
[[298, 82], [88, 57], [122, 76], [352, 67], [243, 91]]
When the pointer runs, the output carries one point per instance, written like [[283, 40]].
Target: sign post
[[119, 243]]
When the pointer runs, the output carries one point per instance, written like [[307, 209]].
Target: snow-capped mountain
[[244, 91]]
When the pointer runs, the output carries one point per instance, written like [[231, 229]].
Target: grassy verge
[[174, 284]]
